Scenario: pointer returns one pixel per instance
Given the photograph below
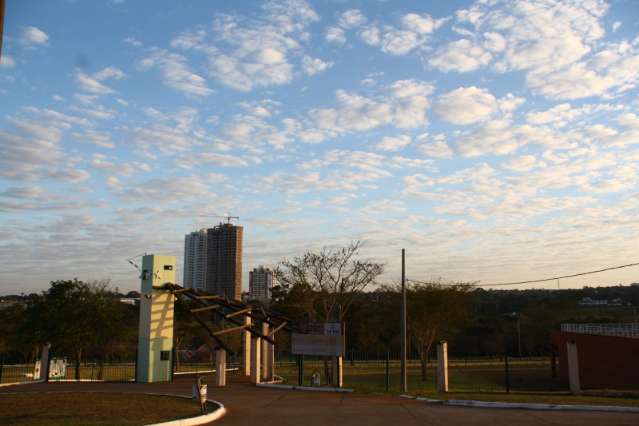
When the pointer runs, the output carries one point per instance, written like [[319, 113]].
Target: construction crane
[[228, 217]]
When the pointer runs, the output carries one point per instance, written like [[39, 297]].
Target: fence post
[[553, 361], [300, 370], [507, 372], [387, 371], [1, 365]]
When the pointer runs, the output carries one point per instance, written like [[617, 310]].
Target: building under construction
[[224, 260], [213, 260]]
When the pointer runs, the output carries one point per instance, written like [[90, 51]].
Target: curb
[[537, 406], [193, 421], [304, 388], [526, 406]]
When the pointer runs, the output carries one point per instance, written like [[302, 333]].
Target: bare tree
[[331, 277]]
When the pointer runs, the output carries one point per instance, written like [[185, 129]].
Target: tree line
[[88, 321]]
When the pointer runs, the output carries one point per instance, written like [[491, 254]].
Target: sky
[[493, 140]]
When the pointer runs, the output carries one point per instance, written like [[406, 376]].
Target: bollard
[[220, 367], [442, 367]]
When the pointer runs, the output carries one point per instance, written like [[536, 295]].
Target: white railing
[[621, 330]]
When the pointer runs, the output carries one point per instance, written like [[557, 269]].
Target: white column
[[442, 366], [266, 370], [255, 360], [246, 343], [338, 376], [220, 367], [573, 366]]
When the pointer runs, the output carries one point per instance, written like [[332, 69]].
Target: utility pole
[[404, 381]]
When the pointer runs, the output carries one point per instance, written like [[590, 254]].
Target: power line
[[536, 281]]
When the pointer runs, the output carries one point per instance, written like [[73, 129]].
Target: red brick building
[[608, 354]]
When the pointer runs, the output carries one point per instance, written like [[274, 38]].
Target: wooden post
[[300, 371], [220, 367], [266, 373], [573, 366], [256, 363], [338, 378], [442, 367], [246, 353]]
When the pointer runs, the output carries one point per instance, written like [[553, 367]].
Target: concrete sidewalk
[[248, 405]]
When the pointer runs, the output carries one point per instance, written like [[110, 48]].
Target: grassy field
[[91, 408], [530, 381]]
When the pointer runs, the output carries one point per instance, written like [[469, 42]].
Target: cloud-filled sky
[[494, 140]]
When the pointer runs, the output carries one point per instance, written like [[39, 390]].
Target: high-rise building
[[260, 283], [195, 260], [224, 260]]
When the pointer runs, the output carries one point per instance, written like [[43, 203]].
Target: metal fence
[[620, 330], [367, 372]]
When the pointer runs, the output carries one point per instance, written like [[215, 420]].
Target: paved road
[[248, 405]]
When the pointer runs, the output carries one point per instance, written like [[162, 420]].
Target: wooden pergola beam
[[236, 313], [205, 308]]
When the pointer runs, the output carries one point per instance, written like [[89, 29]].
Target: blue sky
[[494, 140]]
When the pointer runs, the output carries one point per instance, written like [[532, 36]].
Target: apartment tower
[[224, 260], [195, 260], [260, 283]]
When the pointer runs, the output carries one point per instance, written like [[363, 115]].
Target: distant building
[[260, 283], [195, 260], [224, 260]]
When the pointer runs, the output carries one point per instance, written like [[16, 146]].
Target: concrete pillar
[[246, 346], [338, 375], [220, 367], [256, 363], [155, 332], [573, 366], [442, 366], [45, 363], [266, 367]]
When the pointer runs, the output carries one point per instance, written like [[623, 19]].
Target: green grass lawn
[[530, 381], [92, 408]]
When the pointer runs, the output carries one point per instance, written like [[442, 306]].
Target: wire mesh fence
[[368, 372]]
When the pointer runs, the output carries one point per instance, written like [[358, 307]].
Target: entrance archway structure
[[155, 339]]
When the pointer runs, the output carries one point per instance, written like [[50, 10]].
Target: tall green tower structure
[[155, 334]]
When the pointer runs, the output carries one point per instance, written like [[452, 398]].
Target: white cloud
[[460, 56], [32, 36], [335, 35], [393, 143], [100, 139], [414, 31], [403, 105], [521, 164], [312, 66], [437, 147], [421, 24], [245, 53], [94, 83], [351, 19], [371, 35], [608, 72], [176, 73], [466, 105], [7, 61]]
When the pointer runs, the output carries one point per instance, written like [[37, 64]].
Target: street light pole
[[404, 382]]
